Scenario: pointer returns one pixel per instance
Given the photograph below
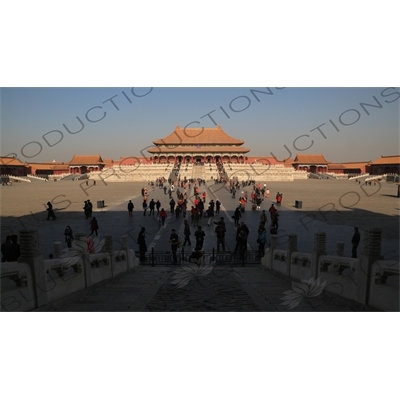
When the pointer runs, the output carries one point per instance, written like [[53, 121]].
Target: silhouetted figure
[[355, 240], [94, 226], [50, 212]]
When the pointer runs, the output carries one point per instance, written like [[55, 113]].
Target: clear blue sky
[[266, 126]]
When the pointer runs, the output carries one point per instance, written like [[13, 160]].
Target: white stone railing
[[358, 176], [365, 280], [33, 282], [16, 178], [37, 177]]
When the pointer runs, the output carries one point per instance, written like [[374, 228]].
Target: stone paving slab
[[227, 289]]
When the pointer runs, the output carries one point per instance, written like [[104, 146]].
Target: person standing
[[50, 212], [94, 226], [15, 248], [90, 207], [241, 243], [174, 240], [263, 218], [144, 205], [236, 216], [220, 232], [279, 199], [275, 220], [6, 249], [199, 234], [355, 240], [186, 233], [86, 209], [242, 227], [158, 205], [217, 207], [200, 206], [272, 210], [172, 205], [261, 240], [163, 215], [130, 208], [141, 241], [210, 213], [184, 208], [151, 206], [90, 245], [69, 237]]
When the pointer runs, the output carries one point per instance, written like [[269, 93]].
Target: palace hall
[[198, 145]]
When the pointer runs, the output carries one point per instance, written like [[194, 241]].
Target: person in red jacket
[[163, 215]]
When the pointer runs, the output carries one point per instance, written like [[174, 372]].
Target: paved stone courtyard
[[226, 288]]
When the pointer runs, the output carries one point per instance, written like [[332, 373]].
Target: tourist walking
[[141, 241], [50, 212], [130, 208], [174, 240], [355, 240], [186, 233], [199, 234], [94, 226]]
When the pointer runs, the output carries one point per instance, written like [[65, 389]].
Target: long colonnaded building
[[199, 152], [198, 145]]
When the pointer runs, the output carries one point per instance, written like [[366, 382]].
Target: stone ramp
[[224, 288]]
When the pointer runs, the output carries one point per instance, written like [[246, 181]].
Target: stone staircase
[[198, 171]]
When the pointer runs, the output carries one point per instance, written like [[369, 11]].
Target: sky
[[46, 124]]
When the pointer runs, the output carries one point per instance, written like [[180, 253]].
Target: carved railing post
[[30, 254], [57, 249], [108, 248], [371, 253], [81, 248], [292, 247], [125, 247], [319, 250], [339, 249], [272, 247]]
